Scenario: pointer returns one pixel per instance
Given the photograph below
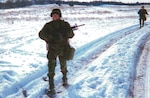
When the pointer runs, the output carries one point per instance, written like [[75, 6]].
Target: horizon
[[123, 1]]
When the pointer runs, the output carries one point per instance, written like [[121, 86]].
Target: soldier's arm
[[70, 32], [44, 33], [147, 12]]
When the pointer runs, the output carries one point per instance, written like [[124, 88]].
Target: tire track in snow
[[147, 77], [141, 82], [138, 39], [89, 52], [18, 33], [102, 44], [17, 43], [95, 48]]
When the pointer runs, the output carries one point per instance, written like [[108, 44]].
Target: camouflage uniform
[[56, 34]]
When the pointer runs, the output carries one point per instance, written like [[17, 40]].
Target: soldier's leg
[[63, 67], [140, 20], [143, 22], [51, 69], [51, 72]]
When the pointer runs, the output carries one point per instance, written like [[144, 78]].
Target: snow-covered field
[[108, 50]]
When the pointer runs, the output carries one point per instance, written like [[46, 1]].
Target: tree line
[[22, 3]]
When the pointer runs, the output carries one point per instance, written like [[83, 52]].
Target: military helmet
[[56, 11]]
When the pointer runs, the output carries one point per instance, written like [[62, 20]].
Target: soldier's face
[[55, 17]]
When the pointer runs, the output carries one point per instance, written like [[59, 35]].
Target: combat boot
[[51, 86], [65, 81], [51, 91]]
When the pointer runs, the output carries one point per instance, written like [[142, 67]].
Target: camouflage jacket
[[56, 32], [142, 13]]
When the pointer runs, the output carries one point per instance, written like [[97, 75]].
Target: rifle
[[75, 27]]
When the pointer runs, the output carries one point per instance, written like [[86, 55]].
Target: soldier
[[142, 14], [56, 34]]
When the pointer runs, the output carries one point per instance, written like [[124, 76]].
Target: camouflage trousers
[[142, 20], [52, 55]]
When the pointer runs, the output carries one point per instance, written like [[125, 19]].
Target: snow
[[144, 60], [110, 50]]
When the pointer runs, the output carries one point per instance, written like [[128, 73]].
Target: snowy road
[[147, 76], [142, 80], [89, 52], [103, 67]]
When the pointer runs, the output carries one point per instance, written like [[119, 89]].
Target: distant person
[[56, 34], [142, 14]]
